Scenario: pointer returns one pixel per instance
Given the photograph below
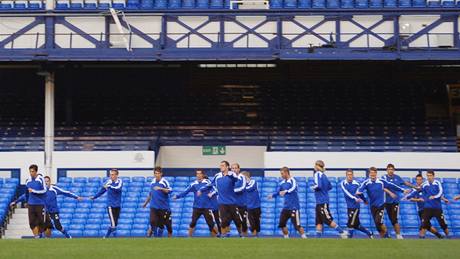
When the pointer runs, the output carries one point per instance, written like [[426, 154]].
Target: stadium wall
[[97, 163], [407, 164], [16, 164], [80, 163], [192, 157], [141, 163]]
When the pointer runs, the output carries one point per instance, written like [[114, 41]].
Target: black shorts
[[37, 216], [244, 218], [114, 214], [206, 213], [53, 221], [217, 219], [293, 215], [420, 215], [254, 219], [229, 213], [429, 213], [353, 218], [48, 224], [323, 214], [161, 218], [393, 212], [377, 215]]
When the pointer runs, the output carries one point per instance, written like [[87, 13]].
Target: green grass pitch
[[228, 248]]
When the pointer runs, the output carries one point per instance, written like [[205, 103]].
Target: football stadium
[[229, 128]]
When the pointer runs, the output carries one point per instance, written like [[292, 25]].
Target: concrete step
[[19, 217], [20, 236], [18, 226], [17, 233], [20, 211]]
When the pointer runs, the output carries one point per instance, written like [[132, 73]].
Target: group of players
[[233, 196]]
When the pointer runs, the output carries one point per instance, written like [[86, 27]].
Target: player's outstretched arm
[[394, 196], [444, 199], [147, 200], [393, 187], [99, 193]]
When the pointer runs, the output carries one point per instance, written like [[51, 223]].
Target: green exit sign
[[214, 150]]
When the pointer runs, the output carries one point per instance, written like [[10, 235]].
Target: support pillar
[[49, 121]]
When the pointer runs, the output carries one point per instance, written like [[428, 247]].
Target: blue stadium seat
[[90, 232], [138, 233]]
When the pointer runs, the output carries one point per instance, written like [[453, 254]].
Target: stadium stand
[[224, 4], [89, 218], [8, 188], [294, 116]]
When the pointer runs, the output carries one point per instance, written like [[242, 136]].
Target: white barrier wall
[[342, 160], [95, 163], [192, 157], [21, 161]]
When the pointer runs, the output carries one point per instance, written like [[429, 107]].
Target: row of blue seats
[[225, 4], [8, 188], [134, 195], [269, 227], [308, 216]]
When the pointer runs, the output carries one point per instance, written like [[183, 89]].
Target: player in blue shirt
[[321, 187], [376, 189], [36, 201], [21, 199], [225, 183], [253, 204], [287, 188], [392, 204], [240, 190], [160, 212], [52, 209], [417, 196], [202, 205], [349, 187], [432, 193], [114, 188]]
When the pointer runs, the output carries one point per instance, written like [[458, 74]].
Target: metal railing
[[250, 40]]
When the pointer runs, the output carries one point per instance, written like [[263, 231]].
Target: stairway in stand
[[19, 225]]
